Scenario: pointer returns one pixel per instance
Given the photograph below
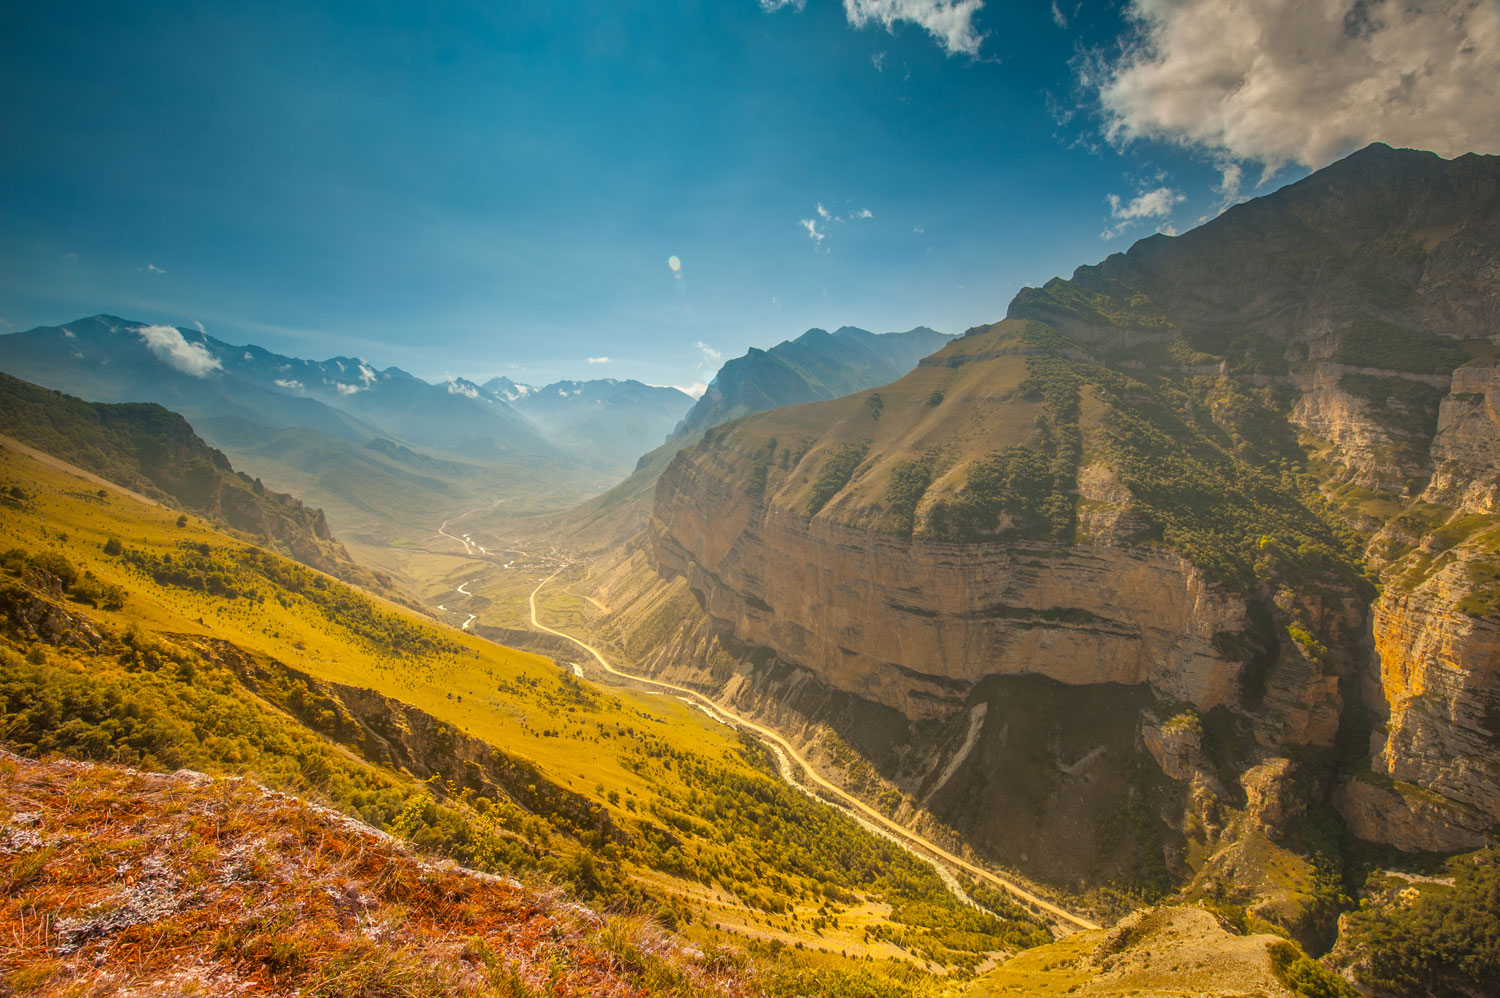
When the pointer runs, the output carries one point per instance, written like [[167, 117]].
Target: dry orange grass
[[117, 882]]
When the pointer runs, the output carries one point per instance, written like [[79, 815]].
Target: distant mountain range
[[605, 423], [815, 367], [384, 451], [380, 449]]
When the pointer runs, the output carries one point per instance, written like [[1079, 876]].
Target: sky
[[645, 189]]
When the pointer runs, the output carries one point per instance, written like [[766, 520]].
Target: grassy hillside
[[150, 450], [131, 638]]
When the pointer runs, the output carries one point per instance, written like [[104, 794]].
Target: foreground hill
[[133, 880], [127, 637], [1182, 577]]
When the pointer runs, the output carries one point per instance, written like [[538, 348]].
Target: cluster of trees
[[773, 848], [1442, 942], [48, 567]]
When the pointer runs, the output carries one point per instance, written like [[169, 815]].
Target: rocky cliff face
[[1159, 491], [914, 624]]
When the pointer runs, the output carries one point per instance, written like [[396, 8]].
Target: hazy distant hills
[[815, 366], [606, 423]]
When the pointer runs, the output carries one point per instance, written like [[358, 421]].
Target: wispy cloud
[[1157, 203], [150, 268], [951, 22], [169, 345], [823, 212], [1058, 17], [291, 383], [813, 232], [601, 360], [862, 213], [710, 355], [771, 5], [1279, 82], [696, 389]]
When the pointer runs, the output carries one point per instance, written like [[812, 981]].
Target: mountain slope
[[150, 450], [816, 365], [1122, 548]]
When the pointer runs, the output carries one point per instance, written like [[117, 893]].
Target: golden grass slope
[[709, 831]]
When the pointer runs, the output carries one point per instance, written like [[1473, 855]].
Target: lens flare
[[675, 264]]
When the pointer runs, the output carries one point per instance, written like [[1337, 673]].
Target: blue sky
[[496, 188]]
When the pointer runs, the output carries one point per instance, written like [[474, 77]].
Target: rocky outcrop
[[1440, 683], [1380, 453]]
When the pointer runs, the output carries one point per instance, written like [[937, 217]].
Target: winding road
[[784, 748]]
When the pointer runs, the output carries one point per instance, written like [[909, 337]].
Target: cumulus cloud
[[291, 383], [344, 389], [951, 22], [600, 360], [862, 213], [696, 389], [168, 344], [1155, 204], [455, 387], [813, 232], [1303, 81]]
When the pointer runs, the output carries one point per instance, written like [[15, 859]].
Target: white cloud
[[773, 5], [878, 61], [1157, 203], [67, 334], [168, 344], [813, 233], [862, 213], [951, 22], [151, 268], [918, 229], [1303, 81], [710, 355], [1058, 17], [291, 383], [600, 360], [696, 389], [347, 389], [366, 373], [467, 391], [822, 211]]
